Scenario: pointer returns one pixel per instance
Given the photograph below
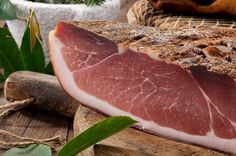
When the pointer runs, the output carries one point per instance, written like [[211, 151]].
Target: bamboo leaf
[[34, 30], [31, 49], [10, 57], [96, 133], [7, 10], [35, 44], [32, 150], [25, 50], [38, 58], [6, 66]]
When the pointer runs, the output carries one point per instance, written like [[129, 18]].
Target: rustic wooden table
[[35, 124]]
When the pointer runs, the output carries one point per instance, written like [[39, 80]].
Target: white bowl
[[49, 14]]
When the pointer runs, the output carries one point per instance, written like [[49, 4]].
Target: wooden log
[[133, 139], [46, 90], [32, 123]]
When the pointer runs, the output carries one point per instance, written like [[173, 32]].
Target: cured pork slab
[[191, 104]]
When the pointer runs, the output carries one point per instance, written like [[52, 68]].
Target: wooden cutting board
[[132, 142]]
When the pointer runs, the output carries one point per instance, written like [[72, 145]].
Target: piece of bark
[[46, 90], [133, 139]]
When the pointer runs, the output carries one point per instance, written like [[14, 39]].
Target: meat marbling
[[195, 106]]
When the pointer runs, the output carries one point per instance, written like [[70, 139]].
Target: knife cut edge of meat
[[141, 141]]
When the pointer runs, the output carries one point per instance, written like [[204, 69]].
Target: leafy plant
[[89, 137], [86, 2], [96, 133], [10, 57], [7, 10], [31, 49], [28, 57]]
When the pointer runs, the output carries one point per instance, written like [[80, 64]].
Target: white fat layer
[[121, 49], [68, 83]]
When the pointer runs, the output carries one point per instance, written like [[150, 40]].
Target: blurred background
[[127, 4], [1, 23]]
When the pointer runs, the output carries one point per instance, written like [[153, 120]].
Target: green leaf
[[10, 57], [31, 48], [34, 29], [6, 66], [32, 150], [96, 133], [7, 10], [26, 50], [38, 58]]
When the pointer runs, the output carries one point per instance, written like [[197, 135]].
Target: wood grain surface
[[36, 124]]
